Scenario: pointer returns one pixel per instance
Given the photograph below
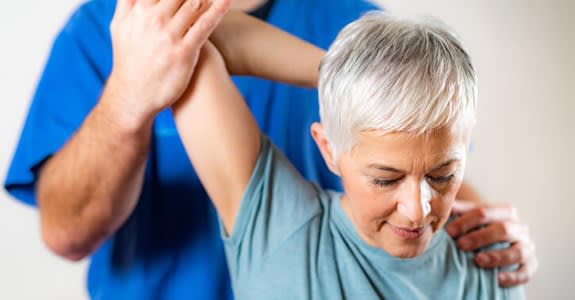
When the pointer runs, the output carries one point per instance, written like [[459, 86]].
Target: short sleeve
[[69, 87], [277, 202]]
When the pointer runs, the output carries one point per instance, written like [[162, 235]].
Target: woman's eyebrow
[[394, 170], [385, 168], [444, 164]]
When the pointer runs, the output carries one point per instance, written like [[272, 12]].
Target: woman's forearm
[[252, 47]]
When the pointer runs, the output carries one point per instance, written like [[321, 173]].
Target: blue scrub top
[[169, 248]]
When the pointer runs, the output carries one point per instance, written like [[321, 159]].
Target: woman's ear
[[322, 143]]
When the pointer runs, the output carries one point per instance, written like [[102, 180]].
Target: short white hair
[[394, 75]]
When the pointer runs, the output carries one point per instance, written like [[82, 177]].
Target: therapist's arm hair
[[252, 47], [219, 134], [90, 187]]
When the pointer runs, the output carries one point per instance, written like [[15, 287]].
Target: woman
[[397, 102]]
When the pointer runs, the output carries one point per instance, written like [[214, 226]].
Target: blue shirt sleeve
[[69, 87]]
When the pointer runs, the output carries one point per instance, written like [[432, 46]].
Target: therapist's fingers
[[187, 15], [462, 206], [517, 254], [169, 7], [474, 217], [523, 275], [493, 233], [521, 253], [123, 7], [147, 2], [207, 22]]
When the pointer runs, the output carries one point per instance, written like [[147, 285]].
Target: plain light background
[[524, 139]]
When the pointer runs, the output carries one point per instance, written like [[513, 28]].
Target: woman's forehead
[[375, 148]]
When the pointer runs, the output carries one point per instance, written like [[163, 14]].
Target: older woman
[[397, 102]]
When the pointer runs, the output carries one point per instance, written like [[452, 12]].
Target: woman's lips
[[406, 233]]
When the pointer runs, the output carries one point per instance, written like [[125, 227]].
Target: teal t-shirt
[[292, 240]]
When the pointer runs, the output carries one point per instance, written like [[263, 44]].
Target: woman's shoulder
[[476, 282]]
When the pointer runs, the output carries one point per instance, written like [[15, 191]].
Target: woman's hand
[[480, 225]]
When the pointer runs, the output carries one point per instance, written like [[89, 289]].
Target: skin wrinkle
[[413, 201]]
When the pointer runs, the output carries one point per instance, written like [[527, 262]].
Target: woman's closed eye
[[440, 179], [385, 182], [437, 180]]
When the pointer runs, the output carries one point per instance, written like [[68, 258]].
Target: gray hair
[[395, 75]]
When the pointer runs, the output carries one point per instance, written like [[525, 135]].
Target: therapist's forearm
[[87, 190], [468, 193], [252, 47]]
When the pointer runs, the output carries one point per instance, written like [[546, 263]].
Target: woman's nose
[[415, 203]]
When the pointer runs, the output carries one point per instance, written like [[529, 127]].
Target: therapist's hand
[[156, 44], [480, 225]]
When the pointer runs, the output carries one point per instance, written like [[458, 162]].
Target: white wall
[[27, 269], [524, 144]]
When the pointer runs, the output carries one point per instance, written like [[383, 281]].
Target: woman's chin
[[401, 247]]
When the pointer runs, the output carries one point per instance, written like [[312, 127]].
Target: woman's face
[[399, 188]]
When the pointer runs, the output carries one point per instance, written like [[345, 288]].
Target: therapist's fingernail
[[503, 277], [482, 259]]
